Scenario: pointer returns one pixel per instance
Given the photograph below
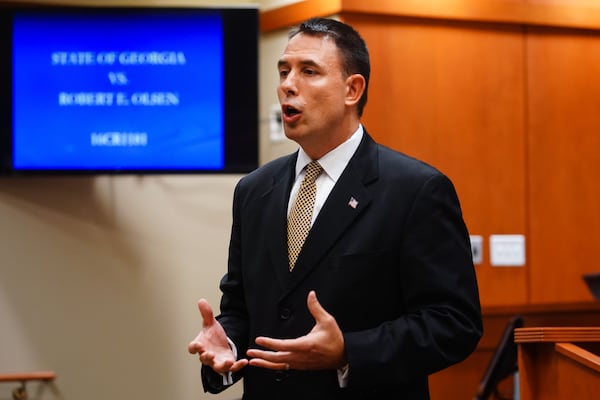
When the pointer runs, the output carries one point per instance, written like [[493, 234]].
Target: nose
[[287, 85]]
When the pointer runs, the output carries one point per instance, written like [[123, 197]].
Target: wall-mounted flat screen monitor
[[96, 90]]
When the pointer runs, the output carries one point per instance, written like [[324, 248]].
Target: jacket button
[[285, 313], [279, 376]]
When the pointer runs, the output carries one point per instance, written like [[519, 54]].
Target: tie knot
[[313, 170]]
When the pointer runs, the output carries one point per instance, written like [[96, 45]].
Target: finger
[[195, 347], [206, 312], [238, 365], [269, 356], [216, 362], [296, 344], [228, 366], [223, 366], [315, 308], [257, 362], [207, 358]]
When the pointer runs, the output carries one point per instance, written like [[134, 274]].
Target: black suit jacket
[[395, 270]]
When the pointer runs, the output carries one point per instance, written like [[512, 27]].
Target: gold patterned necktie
[[300, 217]]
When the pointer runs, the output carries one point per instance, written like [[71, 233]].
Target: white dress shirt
[[333, 164]]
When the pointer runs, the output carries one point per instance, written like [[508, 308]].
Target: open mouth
[[290, 111]]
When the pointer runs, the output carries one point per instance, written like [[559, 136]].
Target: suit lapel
[[275, 203], [349, 198]]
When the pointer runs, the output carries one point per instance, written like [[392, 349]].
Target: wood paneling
[[584, 14], [564, 162], [453, 95], [462, 380], [574, 13], [297, 12]]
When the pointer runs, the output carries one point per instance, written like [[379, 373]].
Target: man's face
[[312, 92]]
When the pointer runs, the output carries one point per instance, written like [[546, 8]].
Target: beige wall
[[99, 276]]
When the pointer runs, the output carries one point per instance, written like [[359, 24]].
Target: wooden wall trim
[[286, 16], [556, 334], [564, 15]]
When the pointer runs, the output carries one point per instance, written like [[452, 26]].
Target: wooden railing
[[20, 393], [559, 362]]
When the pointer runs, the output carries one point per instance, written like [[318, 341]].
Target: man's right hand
[[211, 344]]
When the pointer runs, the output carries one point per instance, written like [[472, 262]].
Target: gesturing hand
[[211, 344], [321, 348]]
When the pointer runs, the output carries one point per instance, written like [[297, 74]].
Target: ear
[[355, 87]]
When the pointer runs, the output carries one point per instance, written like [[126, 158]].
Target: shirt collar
[[335, 161]]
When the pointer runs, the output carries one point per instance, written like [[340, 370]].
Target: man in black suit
[[383, 291]]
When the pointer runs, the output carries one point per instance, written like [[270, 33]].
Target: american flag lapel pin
[[353, 202]]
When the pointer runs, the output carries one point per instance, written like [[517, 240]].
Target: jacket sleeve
[[442, 323], [233, 316]]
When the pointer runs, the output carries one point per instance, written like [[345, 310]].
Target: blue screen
[[131, 92]]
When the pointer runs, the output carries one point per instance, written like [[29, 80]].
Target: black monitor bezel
[[240, 87]]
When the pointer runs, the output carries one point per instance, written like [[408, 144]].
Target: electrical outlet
[[477, 248]]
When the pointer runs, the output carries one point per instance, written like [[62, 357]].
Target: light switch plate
[[507, 250]]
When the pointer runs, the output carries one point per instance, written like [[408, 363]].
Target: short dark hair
[[352, 47]]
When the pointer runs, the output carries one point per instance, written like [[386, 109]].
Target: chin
[[292, 134]]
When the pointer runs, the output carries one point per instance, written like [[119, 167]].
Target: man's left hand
[[321, 348]]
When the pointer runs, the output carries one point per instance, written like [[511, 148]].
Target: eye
[[309, 71], [283, 73]]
